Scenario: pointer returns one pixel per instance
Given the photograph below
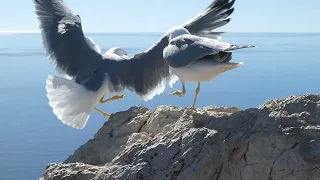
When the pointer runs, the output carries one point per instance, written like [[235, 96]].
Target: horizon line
[[123, 32]]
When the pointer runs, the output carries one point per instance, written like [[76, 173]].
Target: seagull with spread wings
[[90, 75]]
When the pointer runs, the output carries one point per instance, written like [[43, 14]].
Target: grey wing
[[65, 44], [185, 49], [145, 73], [214, 16]]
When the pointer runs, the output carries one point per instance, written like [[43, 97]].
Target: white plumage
[[203, 71], [71, 102]]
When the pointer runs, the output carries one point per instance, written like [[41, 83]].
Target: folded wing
[[188, 48]]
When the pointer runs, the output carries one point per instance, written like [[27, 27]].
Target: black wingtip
[[38, 2], [232, 3], [221, 4], [227, 20], [228, 12], [216, 15]]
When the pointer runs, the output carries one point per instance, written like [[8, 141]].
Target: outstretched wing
[[188, 48], [67, 48], [214, 16], [146, 73]]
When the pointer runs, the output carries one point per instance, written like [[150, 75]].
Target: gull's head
[[177, 31], [118, 51]]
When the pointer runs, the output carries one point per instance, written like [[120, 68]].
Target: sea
[[31, 136]]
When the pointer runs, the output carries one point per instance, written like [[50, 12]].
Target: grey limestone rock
[[278, 140]]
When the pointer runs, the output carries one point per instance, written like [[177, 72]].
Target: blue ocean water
[[31, 136]]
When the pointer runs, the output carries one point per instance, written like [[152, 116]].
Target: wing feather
[[64, 42], [214, 16], [145, 73]]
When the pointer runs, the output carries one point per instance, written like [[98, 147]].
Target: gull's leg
[[195, 98], [102, 101], [103, 113], [180, 93]]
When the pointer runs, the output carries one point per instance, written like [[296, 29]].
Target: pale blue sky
[[161, 15]]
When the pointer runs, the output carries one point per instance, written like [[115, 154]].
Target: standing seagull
[[91, 75], [197, 59]]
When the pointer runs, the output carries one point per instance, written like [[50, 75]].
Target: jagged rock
[[277, 140]]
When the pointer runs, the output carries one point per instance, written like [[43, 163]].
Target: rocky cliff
[[277, 140]]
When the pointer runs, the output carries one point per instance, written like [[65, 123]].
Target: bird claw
[[178, 93]]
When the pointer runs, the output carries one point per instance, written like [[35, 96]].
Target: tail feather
[[71, 102]]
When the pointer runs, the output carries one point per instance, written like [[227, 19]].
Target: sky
[[161, 15]]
